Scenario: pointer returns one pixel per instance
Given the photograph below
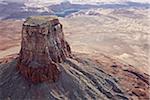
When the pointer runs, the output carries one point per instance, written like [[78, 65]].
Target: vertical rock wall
[[43, 46]]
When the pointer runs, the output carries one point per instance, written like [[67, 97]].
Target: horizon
[[78, 1]]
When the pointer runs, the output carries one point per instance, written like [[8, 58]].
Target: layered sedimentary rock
[[43, 47]]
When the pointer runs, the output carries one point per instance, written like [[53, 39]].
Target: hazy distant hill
[[78, 1], [24, 8]]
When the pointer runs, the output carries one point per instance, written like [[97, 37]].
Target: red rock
[[43, 46]]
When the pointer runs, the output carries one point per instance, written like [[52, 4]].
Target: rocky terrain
[[109, 58], [45, 56], [120, 33], [83, 76]]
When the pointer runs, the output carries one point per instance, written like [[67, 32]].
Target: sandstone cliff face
[[43, 46]]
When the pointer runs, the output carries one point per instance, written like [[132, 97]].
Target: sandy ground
[[121, 34], [9, 51], [10, 36]]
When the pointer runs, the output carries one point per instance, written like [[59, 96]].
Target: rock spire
[[43, 46]]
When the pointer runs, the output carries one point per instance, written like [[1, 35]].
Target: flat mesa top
[[39, 20]]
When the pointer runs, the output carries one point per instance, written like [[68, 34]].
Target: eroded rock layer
[[43, 46]]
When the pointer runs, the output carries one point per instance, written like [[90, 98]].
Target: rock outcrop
[[45, 56], [43, 46]]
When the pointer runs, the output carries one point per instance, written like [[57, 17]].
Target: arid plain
[[121, 34], [108, 42]]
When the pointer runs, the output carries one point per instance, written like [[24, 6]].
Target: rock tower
[[43, 46]]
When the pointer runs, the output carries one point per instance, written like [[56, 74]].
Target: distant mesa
[[66, 1]]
